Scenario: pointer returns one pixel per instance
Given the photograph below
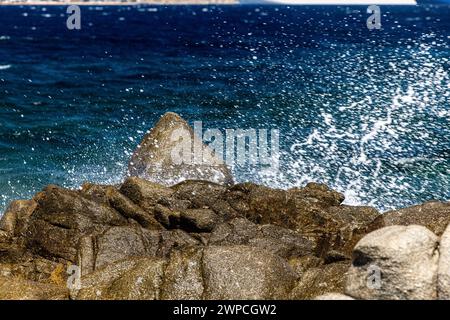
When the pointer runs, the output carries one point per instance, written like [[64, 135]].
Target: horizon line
[[340, 2]]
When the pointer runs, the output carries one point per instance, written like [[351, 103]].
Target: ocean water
[[366, 112]]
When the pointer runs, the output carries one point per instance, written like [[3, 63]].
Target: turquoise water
[[367, 112]]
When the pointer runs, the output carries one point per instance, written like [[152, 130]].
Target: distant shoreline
[[118, 3], [199, 2]]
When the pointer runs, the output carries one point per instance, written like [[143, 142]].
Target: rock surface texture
[[171, 152], [396, 262], [188, 232], [444, 266]]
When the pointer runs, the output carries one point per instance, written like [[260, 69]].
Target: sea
[[365, 111]]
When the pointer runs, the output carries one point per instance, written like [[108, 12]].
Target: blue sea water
[[367, 112]]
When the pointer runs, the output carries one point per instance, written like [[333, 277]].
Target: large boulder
[[345, 227], [198, 220], [91, 227], [434, 215], [444, 266], [202, 195], [129, 279], [118, 243], [62, 217], [96, 285], [277, 240], [183, 277], [320, 280], [264, 205], [144, 193], [191, 220], [314, 211], [395, 263], [126, 207], [16, 217], [242, 272], [192, 273], [142, 282], [126, 242], [171, 153]]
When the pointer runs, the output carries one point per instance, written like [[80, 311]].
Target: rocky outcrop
[[434, 215], [18, 289], [444, 266], [320, 280], [194, 240], [199, 239], [212, 272], [243, 272], [16, 216], [314, 211], [397, 262], [280, 241], [171, 152]]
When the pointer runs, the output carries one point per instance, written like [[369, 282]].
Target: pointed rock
[[171, 153]]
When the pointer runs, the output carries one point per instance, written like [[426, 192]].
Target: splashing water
[[392, 143], [367, 113]]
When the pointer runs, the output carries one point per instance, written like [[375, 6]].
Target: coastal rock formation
[[320, 280], [395, 263], [12, 288], [444, 266], [141, 240], [434, 215], [151, 239], [171, 152], [245, 272], [315, 211]]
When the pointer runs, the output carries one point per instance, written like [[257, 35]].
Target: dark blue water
[[367, 112]]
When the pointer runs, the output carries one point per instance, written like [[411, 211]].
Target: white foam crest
[[375, 133]]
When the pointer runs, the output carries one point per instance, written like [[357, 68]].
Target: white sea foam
[[5, 66], [363, 150]]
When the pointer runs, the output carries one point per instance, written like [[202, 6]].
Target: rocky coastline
[[181, 232], [115, 2]]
